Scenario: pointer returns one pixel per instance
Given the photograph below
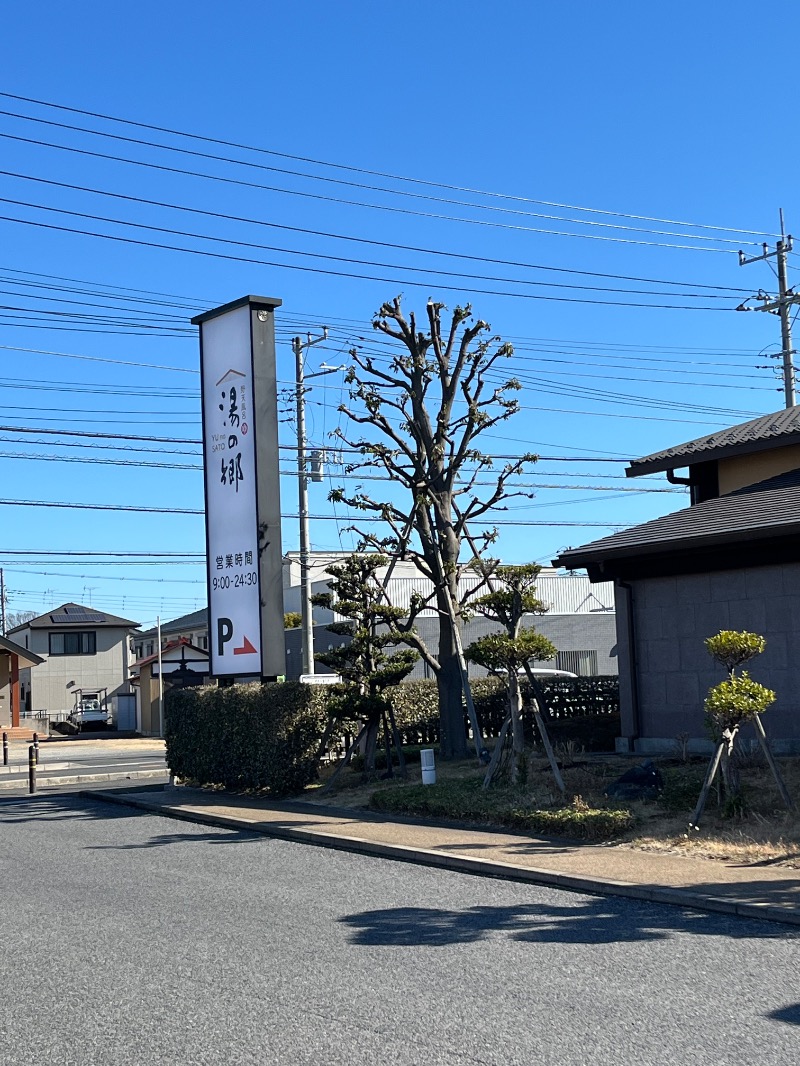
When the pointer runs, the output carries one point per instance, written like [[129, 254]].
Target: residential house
[[79, 648], [731, 560], [189, 627], [181, 664]]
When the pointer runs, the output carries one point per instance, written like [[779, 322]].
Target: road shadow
[[74, 807], [219, 836], [61, 806], [597, 920], [790, 1015]]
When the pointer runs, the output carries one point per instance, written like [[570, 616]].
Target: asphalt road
[[133, 939], [78, 761]]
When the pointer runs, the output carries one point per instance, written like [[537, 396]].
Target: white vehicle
[[90, 711], [541, 671]]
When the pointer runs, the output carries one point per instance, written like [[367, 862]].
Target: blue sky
[[654, 142]]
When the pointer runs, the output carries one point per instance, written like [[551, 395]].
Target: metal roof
[[572, 594], [768, 509], [779, 429]]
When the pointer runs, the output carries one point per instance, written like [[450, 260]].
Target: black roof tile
[[778, 429]]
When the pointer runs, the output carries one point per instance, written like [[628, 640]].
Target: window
[[578, 662], [82, 643]]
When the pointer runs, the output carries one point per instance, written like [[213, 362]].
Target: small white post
[[428, 766]]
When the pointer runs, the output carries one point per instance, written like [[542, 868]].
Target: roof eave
[[585, 559], [675, 462]]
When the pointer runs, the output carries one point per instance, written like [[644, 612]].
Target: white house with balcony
[[80, 649]]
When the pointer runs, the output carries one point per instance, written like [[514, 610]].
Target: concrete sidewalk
[[767, 892]]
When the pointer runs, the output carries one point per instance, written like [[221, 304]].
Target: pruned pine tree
[[364, 664], [728, 705], [506, 654], [416, 416]]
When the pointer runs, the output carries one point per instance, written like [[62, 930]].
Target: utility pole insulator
[[779, 305]]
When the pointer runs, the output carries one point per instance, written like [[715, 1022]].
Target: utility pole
[[779, 305], [2, 603], [302, 496]]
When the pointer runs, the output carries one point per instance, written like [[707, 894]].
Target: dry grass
[[764, 833]]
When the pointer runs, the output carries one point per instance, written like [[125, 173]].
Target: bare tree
[[18, 618], [422, 410]]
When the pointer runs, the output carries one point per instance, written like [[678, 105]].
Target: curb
[[676, 897], [82, 779]]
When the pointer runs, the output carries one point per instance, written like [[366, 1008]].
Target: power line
[[382, 244], [341, 476], [170, 558], [359, 170], [341, 273], [520, 342], [338, 259], [39, 143], [98, 359], [102, 577]]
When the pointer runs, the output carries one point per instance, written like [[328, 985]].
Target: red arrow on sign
[[246, 648]]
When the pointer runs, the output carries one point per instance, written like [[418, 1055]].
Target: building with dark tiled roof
[[731, 560]]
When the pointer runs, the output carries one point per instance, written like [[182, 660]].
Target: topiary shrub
[[736, 700], [261, 737], [729, 704]]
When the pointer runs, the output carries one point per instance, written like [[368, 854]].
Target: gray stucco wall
[[672, 617]]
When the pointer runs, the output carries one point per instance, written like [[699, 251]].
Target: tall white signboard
[[242, 489]]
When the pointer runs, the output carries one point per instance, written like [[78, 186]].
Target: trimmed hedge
[[246, 736], [266, 737]]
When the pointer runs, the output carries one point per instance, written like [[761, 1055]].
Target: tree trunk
[[453, 735], [497, 754], [517, 735], [371, 745], [730, 771]]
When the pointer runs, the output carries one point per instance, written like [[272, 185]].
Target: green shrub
[[246, 736], [467, 801], [731, 647], [736, 700]]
